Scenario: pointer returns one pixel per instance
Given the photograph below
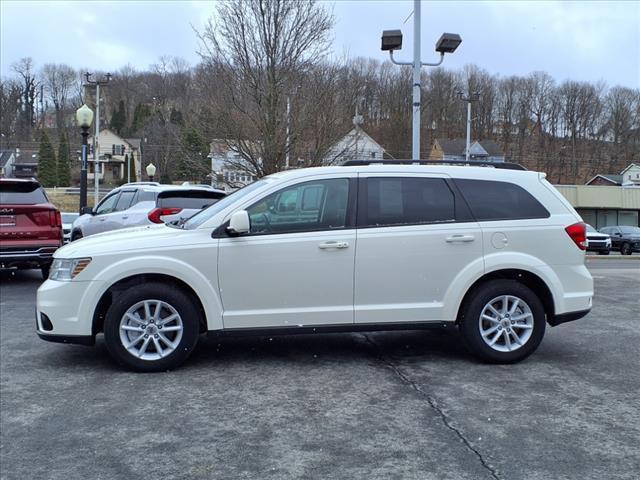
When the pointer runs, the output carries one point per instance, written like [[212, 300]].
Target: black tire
[[625, 248], [45, 269], [603, 252], [469, 321], [176, 298], [76, 235]]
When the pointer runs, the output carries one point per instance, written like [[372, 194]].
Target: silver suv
[[144, 203]]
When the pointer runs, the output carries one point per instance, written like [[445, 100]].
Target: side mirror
[[239, 223], [85, 210]]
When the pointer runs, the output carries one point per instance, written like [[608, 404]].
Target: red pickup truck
[[30, 226]]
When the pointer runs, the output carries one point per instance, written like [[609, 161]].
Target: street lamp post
[[151, 171], [84, 117], [392, 40], [472, 97], [96, 144]]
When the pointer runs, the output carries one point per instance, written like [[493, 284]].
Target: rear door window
[[406, 201], [21, 193], [126, 200], [491, 200]]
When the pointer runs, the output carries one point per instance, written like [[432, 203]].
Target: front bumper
[[64, 310], [75, 339]]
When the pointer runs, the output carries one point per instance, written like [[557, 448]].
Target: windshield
[[204, 215], [630, 230]]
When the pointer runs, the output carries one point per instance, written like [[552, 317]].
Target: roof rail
[[471, 163], [155, 184]]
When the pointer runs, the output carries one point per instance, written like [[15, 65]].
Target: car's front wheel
[[152, 327], [625, 249], [503, 322]]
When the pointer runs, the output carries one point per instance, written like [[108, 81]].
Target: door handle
[[124, 217], [460, 238], [326, 245], [102, 219]]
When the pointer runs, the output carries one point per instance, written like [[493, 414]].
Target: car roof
[[457, 171]]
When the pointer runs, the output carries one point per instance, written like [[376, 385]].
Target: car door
[[99, 221], [415, 237], [295, 267]]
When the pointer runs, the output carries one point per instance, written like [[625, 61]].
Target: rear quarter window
[[22, 194], [491, 200]]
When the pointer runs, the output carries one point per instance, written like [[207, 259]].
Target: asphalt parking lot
[[400, 405]]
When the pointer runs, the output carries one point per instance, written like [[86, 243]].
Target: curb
[[612, 257]]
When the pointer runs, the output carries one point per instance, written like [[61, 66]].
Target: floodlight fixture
[[391, 40], [448, 43]]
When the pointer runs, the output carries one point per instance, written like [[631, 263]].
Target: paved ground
[[410, 405]]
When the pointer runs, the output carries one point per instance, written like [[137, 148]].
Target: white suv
[[497, 252], [143, 203]]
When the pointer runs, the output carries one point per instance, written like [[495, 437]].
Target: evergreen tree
[[140, 115], [47, 168], [119, 118], [64, 163], [193, 163]]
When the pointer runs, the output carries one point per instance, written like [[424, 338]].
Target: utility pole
[[96, 142], [392, 40], [470, 98], [286, 161]]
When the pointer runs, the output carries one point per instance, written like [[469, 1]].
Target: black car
[[624, 238]]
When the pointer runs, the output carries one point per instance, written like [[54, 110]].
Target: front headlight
[[66, 269]]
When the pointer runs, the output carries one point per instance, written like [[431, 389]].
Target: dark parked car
[[624, 238], [30, 226], [598, 242]]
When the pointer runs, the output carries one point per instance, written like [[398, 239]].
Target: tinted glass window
[[146, 196], [108, 205], [317, 205], [407, 201], [491, 200], [21, 194], [630, 230], [191, 200], [125, 200]]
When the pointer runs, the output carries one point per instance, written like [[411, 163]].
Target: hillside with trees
[[240, 90]]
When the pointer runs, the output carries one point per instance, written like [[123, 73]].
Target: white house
[[631, 176], [355, 145], [114, 152], [224, 167], [7, 161]]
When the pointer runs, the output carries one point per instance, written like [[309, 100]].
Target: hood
[[597, 235], [128, 239]]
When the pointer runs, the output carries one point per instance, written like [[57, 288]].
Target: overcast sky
[[580, 40]]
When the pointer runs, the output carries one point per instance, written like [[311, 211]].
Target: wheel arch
[[105, 301], [525, 277]]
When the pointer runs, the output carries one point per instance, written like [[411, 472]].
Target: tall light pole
[[392, 40], [96, 143], [470, 98], [84, 117]]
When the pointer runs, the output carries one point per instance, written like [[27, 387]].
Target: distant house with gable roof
[[455, 150]]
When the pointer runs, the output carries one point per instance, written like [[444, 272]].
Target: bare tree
[[261, 47], [24, 69], [59, 81]]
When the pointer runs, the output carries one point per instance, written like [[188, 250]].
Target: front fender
[[205, 288]]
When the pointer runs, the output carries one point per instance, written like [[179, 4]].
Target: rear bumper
[[567, 317], [27, 256]]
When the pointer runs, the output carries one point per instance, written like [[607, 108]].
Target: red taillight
[[41, 218], [156, 213], [578, 233], [56, 219]]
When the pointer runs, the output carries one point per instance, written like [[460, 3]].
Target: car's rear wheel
[[152, 327], [503, 322], [625, 249]]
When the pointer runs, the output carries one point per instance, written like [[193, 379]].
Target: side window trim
[[104, 200]]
